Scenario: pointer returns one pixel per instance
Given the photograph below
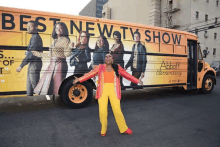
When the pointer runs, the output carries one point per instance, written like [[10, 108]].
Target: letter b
[[4, 21]]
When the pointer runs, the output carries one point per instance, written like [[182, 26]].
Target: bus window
[[199, 53]]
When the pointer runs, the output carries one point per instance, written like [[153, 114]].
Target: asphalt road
[[161, 118]]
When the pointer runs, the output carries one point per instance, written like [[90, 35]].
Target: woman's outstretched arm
[[87, 76], [128, 76]]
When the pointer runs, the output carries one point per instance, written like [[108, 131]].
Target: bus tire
[[78, 95], [207, 84]]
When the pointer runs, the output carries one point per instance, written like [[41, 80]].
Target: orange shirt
[[109, 76]]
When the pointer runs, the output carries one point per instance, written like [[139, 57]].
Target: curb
[[28, 100]]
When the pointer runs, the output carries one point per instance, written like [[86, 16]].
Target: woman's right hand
[[140, 82], [76, 80], [71, 45]]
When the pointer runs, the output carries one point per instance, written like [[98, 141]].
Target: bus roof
[[69, 16]]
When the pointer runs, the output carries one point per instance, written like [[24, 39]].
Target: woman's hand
[[76, 80], [36, 53], [71, 45], [140, 82], [77, 59], [142, 75]]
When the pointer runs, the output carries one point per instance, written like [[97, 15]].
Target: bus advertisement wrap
[[158, 69]]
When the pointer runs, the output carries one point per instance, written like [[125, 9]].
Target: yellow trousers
[[109, 93]]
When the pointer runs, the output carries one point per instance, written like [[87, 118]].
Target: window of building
[[99, 4], [214, 51], [99, 9], [196, 31], [206, 34], [206, 17], [217, 2], [216, 20], [197, 14], [215, 35]]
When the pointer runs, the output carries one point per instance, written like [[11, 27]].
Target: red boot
[[128, 131], [103, 134]]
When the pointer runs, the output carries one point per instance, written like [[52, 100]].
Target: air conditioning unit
[[206, 35]]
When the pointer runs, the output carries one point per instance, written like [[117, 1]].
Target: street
[[161, 118]]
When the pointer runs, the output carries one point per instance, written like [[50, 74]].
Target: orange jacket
[[100, 71]]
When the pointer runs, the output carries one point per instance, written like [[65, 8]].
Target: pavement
[[30, 101]]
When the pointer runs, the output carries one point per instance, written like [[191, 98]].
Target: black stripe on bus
[[19, 48], [13, 93], [159, 54], [125, 52], [158, 85]]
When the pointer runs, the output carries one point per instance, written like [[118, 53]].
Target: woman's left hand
[[140, 82]]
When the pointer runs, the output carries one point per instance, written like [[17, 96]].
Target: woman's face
[[116, 39], [108, 59], [100, 42], [59, 30], [83, 38]]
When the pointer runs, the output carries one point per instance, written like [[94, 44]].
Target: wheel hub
[[76, 92], [208, 84]]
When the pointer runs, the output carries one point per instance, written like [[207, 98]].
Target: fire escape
[[170, 9]]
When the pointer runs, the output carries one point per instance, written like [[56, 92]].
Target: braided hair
[[115, 68]]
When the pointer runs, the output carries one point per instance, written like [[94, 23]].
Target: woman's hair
[[64, 28], [118, 34], [105, 45], [34, 22], [78, 44], [136, 32], [115, 68]]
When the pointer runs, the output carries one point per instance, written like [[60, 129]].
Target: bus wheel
[[207, 84], [78, 95]]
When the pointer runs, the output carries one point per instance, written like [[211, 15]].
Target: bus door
[[192, 65]]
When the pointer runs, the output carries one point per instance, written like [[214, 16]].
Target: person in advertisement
[[101, 49], [56, 71], [117, 52], [138, 59], [109, 88], [34, 63], [81, 54]]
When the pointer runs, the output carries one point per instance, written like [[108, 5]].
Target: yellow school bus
[[41, 53]]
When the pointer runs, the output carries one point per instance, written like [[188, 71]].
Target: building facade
[[186, 15], [93, 8]]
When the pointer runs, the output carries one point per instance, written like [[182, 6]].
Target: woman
[[117, 52], [56, 71], [101, 49], [81, 54], [109, 87]]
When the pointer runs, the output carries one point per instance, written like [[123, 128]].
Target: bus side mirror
[[205, 52]]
